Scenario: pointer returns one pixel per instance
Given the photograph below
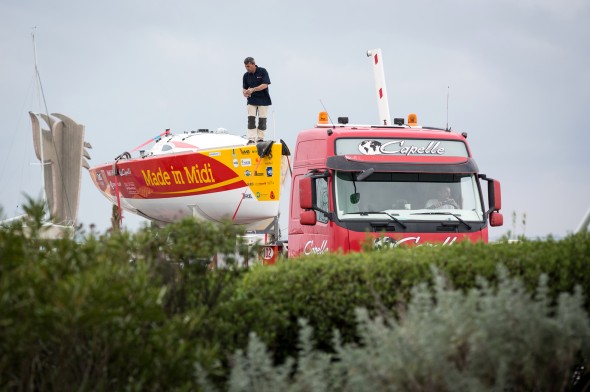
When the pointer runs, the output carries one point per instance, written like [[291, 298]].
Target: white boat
[[213, 176]]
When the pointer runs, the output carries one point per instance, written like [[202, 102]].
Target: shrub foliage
[[325, 290], [113, 311], [486, 339], [144, 310]]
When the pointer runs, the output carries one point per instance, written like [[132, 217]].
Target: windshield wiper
[[365, 213], [444, 213]]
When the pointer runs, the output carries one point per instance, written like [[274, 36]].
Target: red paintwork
[[152, 178], [333, 238]]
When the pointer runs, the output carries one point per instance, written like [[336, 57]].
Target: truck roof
[[402, 131]]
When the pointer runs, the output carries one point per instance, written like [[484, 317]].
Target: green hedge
[[326, 289], [114, 311], [486, 339], [138, 310]]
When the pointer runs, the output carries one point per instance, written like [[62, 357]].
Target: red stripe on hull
[[167, 176]]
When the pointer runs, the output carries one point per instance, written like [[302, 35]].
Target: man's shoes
[[251, 142]]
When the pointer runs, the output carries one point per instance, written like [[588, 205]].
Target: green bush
[[114, 311], [326, 289], [137, 311], [485, 339]]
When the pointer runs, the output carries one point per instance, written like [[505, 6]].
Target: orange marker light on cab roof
[[412, 119], [323, 118]]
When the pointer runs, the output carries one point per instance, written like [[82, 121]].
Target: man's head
[[250, 64], [443, 192]]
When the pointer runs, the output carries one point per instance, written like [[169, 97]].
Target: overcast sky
[[518, 73]]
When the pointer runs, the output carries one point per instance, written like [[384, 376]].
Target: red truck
[[398, 184]]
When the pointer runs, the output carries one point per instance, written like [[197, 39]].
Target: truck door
[[309, 224]]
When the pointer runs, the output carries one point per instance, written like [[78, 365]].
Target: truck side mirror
[[308, 218], [497, 195], [305, 193], [494, 195], [496, 219], [495, 203]]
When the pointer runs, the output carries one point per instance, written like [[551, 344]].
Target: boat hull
[[216, 184]]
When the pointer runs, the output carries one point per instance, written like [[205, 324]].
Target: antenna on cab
[[324, 116], [448, 93]]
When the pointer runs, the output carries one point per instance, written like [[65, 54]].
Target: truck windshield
[[405, 195]]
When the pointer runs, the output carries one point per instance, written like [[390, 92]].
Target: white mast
[[378, 72]]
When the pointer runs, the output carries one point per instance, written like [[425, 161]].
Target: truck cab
[[391, 185]]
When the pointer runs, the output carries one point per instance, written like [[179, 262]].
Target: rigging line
[[51, 122], [38, 82], [39, 76], [11, 144], [153, 139]]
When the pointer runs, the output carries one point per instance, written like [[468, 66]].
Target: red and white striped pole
[[379, 74]]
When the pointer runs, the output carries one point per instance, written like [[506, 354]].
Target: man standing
[[255, 87]]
